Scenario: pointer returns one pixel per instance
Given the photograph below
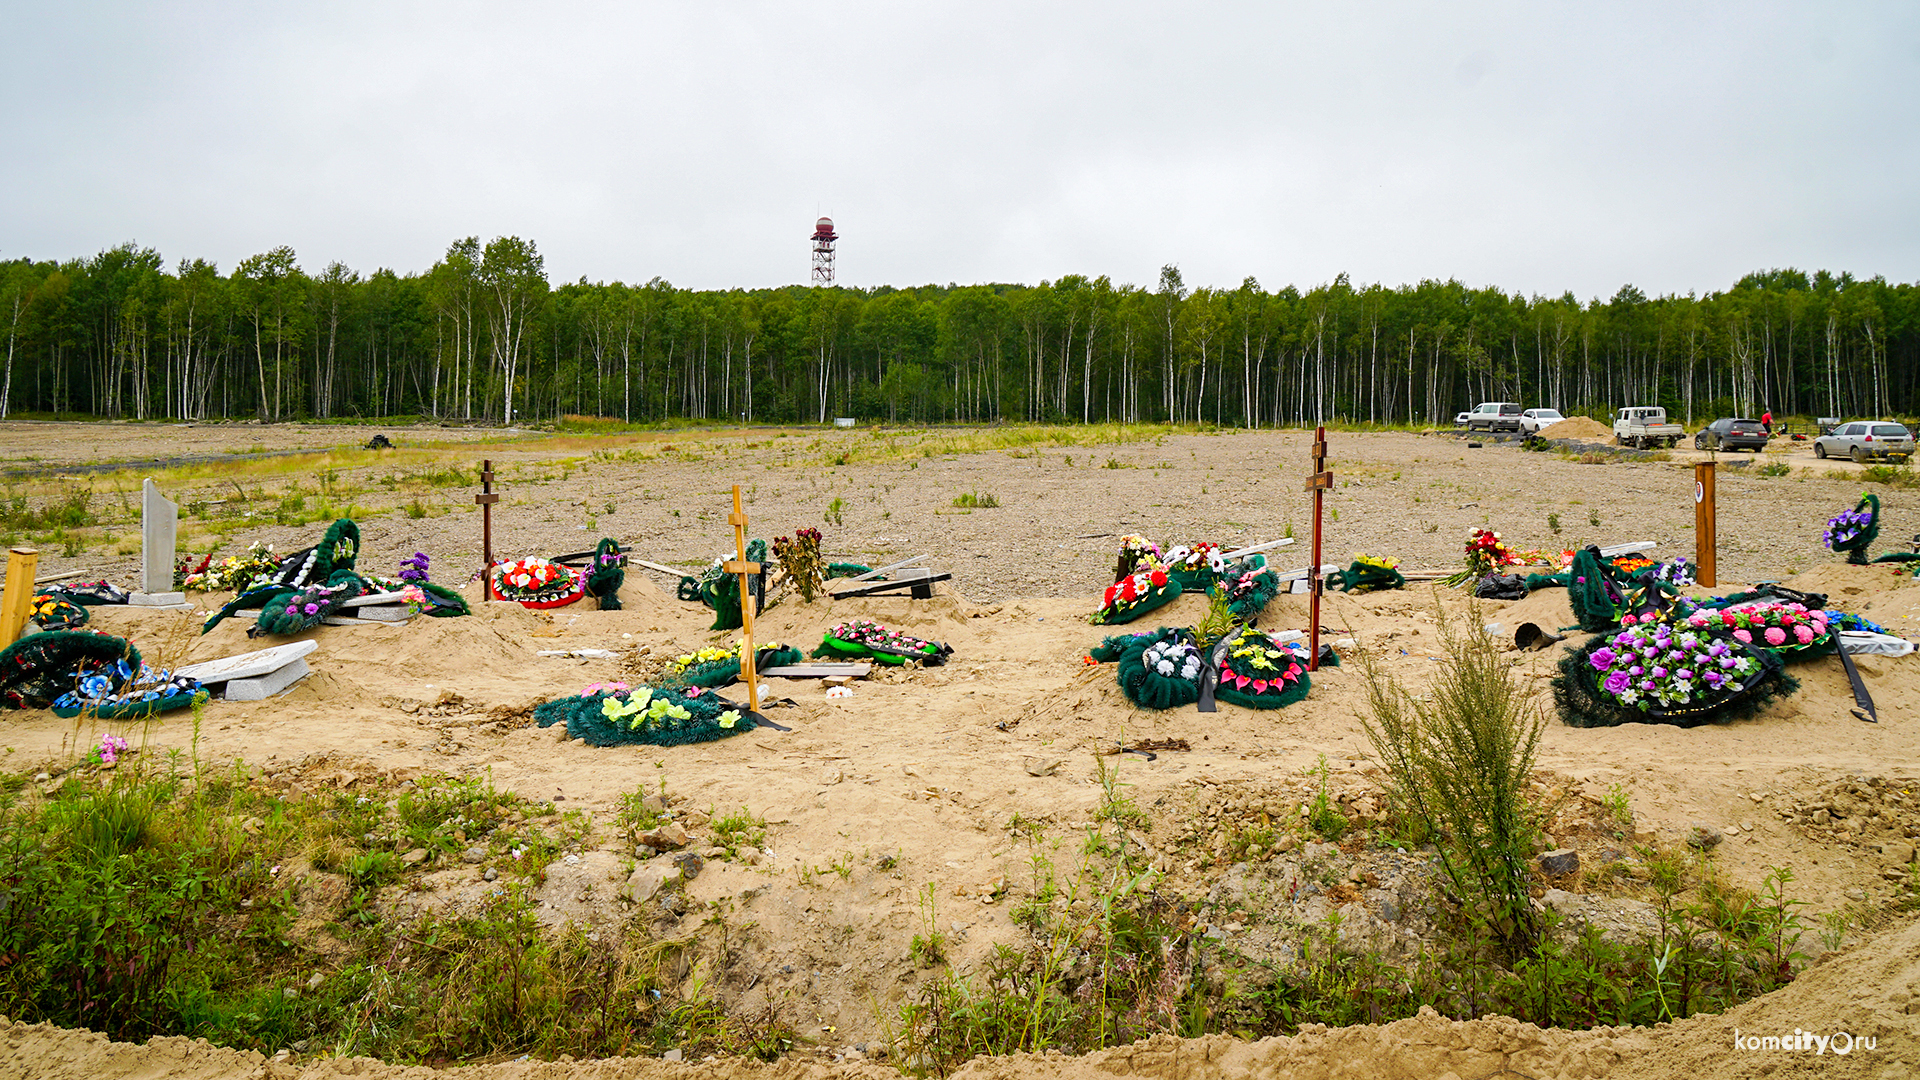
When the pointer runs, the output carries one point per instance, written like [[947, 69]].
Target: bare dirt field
[[916, 778]]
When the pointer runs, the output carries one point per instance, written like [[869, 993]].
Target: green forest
[[483, 335]]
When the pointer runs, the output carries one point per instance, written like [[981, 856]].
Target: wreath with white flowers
[[535, 583], [1162, 669]]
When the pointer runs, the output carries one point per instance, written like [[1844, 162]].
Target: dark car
[[1732, 433]]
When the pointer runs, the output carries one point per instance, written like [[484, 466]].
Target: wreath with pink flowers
[[1791, 630], [1259, 673], [535, 583]]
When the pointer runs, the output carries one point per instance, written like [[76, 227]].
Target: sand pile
[[1577, 427]]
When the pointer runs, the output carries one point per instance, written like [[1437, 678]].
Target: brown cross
[[746, 570], [1319, 483], [486, 499]]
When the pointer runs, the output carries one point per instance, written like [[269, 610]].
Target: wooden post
[[1318, 483], [746, 570], [486, 499], [1706, 540], [18, 598]]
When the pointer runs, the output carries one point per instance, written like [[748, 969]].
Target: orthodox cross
[[1318, 483], [486, 499], [746, 570]]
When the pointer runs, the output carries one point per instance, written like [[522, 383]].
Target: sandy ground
[[929, 767]]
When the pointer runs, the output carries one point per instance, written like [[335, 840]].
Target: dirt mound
[[1871, 994], [1577, 427]]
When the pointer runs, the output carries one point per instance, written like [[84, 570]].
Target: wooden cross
[[486, 499], [1319, 483], [746, 570], [1706, 540]]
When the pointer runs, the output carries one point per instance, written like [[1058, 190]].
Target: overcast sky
[[1533, 146]]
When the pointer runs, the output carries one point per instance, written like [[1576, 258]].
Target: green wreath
[[721, 591], [645, 715], [294, 611], [605, 574], [1582, 701], [722, 672], [339, 546], [1259, 674], [39, 668], [1249, 585], [1161, 670], [864, 639], [1367, 577], [1854, 545]]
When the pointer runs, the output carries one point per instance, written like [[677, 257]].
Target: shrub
[[1459, 761]]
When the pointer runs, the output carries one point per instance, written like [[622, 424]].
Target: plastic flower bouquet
[[1134, 550], [1486, 554], [1195, 568], [1676, 573]]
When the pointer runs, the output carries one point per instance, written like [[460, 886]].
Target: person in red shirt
[[1766, 421]]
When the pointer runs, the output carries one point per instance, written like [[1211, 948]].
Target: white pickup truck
[[1645, 427]]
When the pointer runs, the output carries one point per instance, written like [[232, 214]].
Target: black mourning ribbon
[[1860, 695]]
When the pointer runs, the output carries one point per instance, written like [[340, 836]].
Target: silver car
[[1864, 440]]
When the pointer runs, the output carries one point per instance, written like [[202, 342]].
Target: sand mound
[[1577, 427]]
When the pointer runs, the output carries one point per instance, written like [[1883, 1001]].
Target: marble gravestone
[[254, 676], [159, 525]]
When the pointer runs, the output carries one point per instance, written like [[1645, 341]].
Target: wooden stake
[[486, 499], [1706, 539], [1318, 483], [746, 570], [18, 598]]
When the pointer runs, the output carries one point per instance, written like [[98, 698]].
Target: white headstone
[[375, 598], [261, 687], [159, 525], [247, 665], [386, 613]]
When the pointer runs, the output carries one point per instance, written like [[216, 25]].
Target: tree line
[[485, 336]]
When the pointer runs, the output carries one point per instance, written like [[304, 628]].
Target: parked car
[[1864, 440], [1460, 419], [1646, 426], [1732, 433], [1533, 420], [1495, 416]]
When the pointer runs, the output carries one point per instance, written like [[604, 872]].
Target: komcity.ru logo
[[1839, 1042]]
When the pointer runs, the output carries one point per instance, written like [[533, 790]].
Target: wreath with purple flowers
[[1658, 672]]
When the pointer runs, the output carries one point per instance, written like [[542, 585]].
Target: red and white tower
[[823, 238]]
